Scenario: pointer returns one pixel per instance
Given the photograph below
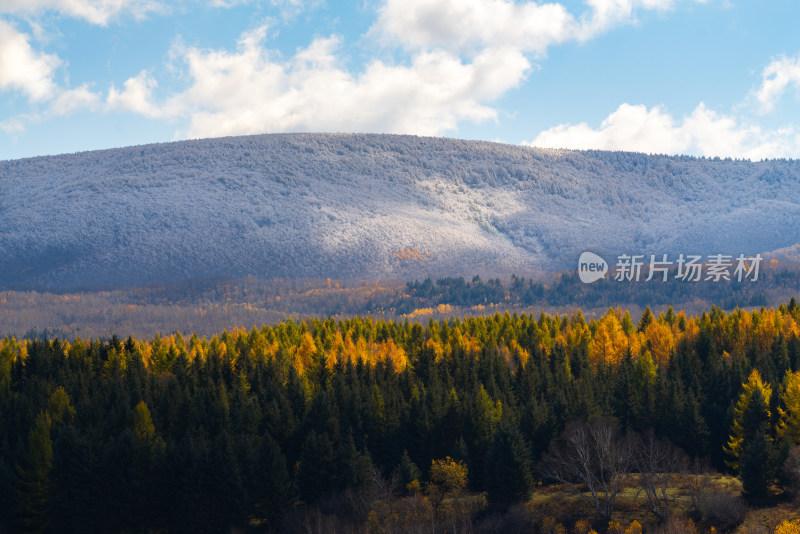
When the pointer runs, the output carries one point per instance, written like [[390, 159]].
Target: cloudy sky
[[712, 78]]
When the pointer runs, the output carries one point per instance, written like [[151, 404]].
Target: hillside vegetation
[[371, 207]]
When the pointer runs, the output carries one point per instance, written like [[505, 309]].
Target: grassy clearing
[[721, 510]]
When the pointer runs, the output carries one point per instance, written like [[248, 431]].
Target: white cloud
[[136, 96], [289, 9], [14, 125], [30, 72], [605, 14], [24, 69], [95, 11], [703, 132], [466, 25], [72, 100], [463, 56], [65, 103], [776, 79], [226, 4], [33, 72], [254, 90]]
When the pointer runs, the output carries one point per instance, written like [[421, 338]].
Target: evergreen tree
[[224, 494], [647, 318], [508, 466], [33, 482], [755, 467], [750, 445], [749, 416], [408, 471], [317, 470], [627, 401], [273, 490], [75, 482], [354, 468], [459, 451]]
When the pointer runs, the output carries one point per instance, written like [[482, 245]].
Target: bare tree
[[698, 481], [658, 462], [791, 469], [591, 458], [385, 487]]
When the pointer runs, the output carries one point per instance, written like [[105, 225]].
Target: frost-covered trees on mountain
[[346, 206]]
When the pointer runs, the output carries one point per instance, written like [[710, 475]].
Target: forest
[[499, 423]]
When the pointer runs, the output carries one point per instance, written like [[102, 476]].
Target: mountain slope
[[371, 207]]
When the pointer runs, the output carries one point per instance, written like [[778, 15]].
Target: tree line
[[566, 289]]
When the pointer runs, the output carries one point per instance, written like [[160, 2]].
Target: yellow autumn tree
[[143, 427], [59, 408], [789, 411], [515, 348], [754, 387], [388, 350], [609, 342], [766, 331], [355, 351], [660, 342], [449, 476], [305, 351]]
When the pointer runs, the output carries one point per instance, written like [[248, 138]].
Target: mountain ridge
[[371, 206]]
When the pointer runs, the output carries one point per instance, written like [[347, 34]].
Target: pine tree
[[75, 477], [743, 410], [755, 469], [33, 483], [274, 490], [508, 466], [459, 451], [647, 318], [750, 445], [225, 496], [627, 400], [317, 470], [354, 469], [408, 472]]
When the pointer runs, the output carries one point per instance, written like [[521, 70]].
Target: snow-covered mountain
[[371, 207]]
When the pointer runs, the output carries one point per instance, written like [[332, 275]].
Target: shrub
[[722, 509], [788, 527]]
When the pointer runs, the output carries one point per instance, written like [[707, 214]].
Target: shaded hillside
[[359, 207]]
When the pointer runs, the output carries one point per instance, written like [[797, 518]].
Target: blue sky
[[711, 78]]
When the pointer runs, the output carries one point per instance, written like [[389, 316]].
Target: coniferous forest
[[459, 425]]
